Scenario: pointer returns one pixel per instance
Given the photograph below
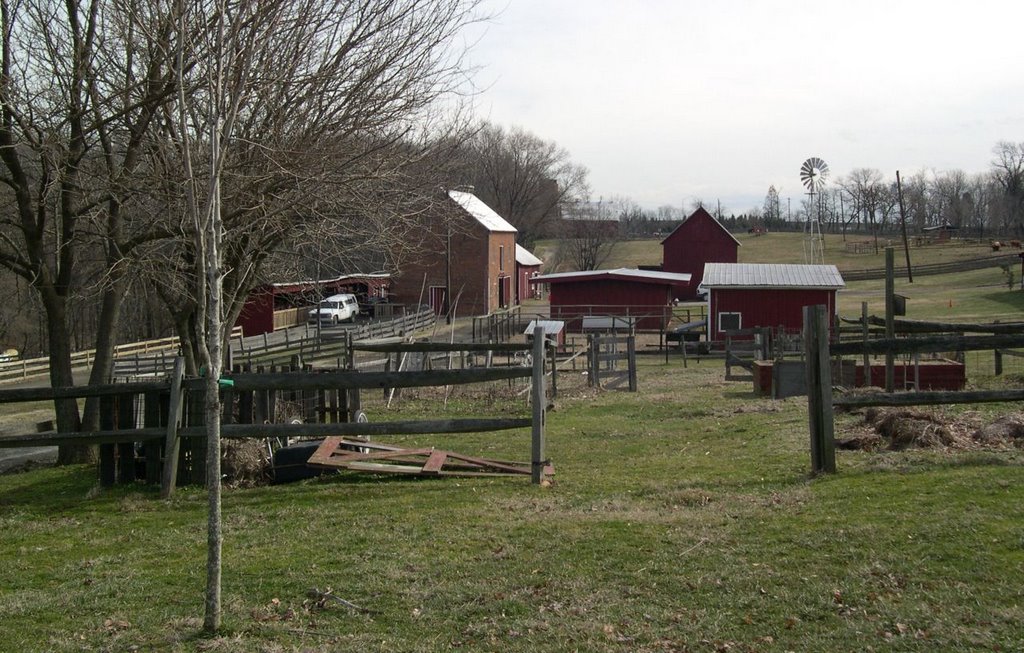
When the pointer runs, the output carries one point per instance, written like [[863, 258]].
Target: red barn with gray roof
[[749, 295], [700, 239], [641, 295]]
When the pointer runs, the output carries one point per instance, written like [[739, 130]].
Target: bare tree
[[589, 237], [298, 118], [524, 178], [81, 84], [1008, 172]]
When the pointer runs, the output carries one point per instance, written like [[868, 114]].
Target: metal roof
[[526, 257], [646, 276], [551, 327], [771, 275], [484, 214]]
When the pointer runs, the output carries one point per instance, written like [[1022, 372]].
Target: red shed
[[640, 295], [279, 305], [698, 240], [527, 267], [749, 295]]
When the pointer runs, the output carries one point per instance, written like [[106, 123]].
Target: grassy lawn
[[682, 518]]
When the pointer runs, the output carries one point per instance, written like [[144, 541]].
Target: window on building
[[501, 258], [729, 322]]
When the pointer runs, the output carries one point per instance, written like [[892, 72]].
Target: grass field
[[682, 518]]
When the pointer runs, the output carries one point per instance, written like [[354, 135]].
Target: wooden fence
[[310, 344], [820, 398], [611, 361], [500, 326], [154, 427]]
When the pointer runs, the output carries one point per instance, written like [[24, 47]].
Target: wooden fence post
[[890, 318], [819, 390], [554, 370], [999, 362], [631, 353], [108, 452], [592, 361], [538, 399], [170, 475]]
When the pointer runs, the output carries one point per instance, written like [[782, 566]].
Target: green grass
[[682, 519]]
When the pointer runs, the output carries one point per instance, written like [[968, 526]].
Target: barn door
[[504, 291], [437, 299]]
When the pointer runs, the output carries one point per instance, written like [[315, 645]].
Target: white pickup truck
[[335, 309]]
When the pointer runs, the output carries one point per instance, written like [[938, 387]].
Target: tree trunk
[[110, 315], [62, 376]]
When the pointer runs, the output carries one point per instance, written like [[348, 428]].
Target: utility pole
[[903, 222]]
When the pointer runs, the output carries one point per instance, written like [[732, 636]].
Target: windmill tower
[[813, 173]]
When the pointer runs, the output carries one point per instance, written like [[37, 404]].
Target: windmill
[[812, 174]]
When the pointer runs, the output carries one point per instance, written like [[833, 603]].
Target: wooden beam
[[170, 472], [349, 379], [927, 398], [927, 344], [75, 392]]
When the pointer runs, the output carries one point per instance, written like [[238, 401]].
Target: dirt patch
[[902, 428]]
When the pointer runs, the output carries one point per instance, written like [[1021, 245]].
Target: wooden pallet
[[361, 455]]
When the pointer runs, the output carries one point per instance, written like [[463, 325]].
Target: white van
[[335, 309]]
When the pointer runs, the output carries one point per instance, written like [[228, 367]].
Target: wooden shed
[[280, 305], [465, 241], [644, 297], [750, 295], [527, 267], [699, 240]]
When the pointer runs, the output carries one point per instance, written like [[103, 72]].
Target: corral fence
[[935, 268], [152, 430], [308, 343], [819, 365], [158, 348], [612, 361], [500, 326]]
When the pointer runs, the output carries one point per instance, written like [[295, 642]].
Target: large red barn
[[640, 295], [750, 295], [698, 240]]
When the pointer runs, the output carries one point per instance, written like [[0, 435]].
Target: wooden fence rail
[[171, 434]]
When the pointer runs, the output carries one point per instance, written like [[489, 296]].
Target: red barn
[[642, 296], [527, 267], [750, 295], [280, 305], [698, 240], [466, 239]]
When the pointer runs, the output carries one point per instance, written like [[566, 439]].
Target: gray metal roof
[[551, 327], [629, 273], [771, 275], [484, 214], [526, 257]]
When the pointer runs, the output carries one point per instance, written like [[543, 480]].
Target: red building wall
[[767, 307], [571, 300], [257, 314], [479, 261], [699, 240], [524, 290]]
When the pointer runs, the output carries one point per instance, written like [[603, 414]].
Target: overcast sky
[[667, 101]]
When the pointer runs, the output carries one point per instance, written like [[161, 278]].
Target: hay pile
[[244, 463], [902, 428]]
